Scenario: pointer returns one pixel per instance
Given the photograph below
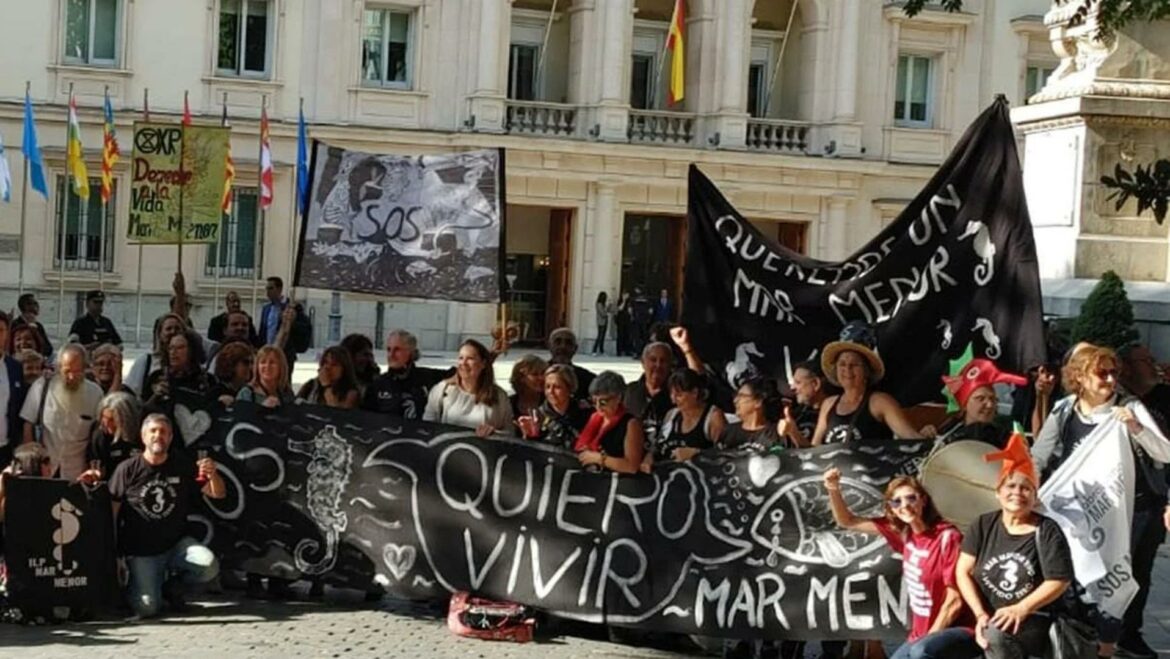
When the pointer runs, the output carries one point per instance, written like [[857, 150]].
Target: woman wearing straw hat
[[858, 412]]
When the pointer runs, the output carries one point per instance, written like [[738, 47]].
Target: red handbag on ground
[[475, 617]]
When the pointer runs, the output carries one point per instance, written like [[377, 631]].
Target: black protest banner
[[424, 226], [59, 547], [957, 267], [730, 544]]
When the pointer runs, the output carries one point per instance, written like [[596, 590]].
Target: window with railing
[[91, 32], [522, 64], [642, 73], [235, 255], [245, 38], [86, 220]]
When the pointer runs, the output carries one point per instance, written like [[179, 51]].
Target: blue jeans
[[953, 643], [189, 560]]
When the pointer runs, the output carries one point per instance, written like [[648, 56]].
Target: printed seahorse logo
[[984, 249], [1011, 577], [66, 532], [331, 459]]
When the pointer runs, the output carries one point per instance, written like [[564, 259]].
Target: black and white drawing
[[424, 226], [729, 544]]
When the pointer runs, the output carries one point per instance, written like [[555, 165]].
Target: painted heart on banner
[[192, 425], [761, 469], [399, 559]]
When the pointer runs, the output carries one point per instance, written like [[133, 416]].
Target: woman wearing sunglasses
[[612, 438], [1090, 377], [940, 625]]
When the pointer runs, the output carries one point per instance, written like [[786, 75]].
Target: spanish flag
[[74, 158], [678, 52]]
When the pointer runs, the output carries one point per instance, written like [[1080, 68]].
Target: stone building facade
[[818, 118]]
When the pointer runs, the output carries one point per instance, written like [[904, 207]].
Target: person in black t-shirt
[[402, 390], [115, 439], [93, 328], [152, 494], [648, 397], [1015, 564]]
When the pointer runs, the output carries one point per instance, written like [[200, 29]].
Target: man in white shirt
[[64, 408]]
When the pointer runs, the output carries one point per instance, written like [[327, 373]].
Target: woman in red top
[[940, 626]]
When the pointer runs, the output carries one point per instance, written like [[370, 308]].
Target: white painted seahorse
[[331, 459], [984, 249], [984, 327]]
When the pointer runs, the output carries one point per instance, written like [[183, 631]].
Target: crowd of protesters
[[78, 419]]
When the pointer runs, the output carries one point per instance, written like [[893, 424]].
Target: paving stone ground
[[342, 626]]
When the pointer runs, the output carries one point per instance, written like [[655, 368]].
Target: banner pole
[[61, 336], [182, 152], [224, 215], [138, 284]]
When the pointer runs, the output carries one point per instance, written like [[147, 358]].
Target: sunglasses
[[604, 401], [908, 500], [1106, 373]]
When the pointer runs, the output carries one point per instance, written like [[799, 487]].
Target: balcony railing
[[535, 118], [776, 136], [656, 127]]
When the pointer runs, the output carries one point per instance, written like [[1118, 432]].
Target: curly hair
[[1083, 362], [229, 356], [526, 365]]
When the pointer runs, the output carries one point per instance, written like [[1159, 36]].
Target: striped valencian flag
[[230, 170], [110, 152], [266, 193]]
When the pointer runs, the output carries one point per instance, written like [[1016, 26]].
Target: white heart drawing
[[398, 559], [761, 469], [192, 425]]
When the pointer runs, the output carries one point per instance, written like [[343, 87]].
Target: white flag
[[1091, 497], [5, 175]]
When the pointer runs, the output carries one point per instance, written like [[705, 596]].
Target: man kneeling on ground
[[152, 494]]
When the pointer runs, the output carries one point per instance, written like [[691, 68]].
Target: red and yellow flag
[[678, 52], [229, 178], [110, 152]]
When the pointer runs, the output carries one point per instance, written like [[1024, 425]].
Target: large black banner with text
[[729, 544], [957, 267]]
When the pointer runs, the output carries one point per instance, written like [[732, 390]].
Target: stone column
[[842, 136], [601, 43], [603, 235], [488, 90], [836, 232], [731, 34]]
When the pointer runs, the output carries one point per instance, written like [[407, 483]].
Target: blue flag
[[5, 176], [32, 150], [302, 165]]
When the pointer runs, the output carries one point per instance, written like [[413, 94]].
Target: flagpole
[[779, 60], [219, 234], [23, 207], [61, 236], [138, 286], [105, 211], [543, 48], [257, 244]]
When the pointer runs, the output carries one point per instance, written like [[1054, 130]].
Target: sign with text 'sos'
[[177, 180]]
